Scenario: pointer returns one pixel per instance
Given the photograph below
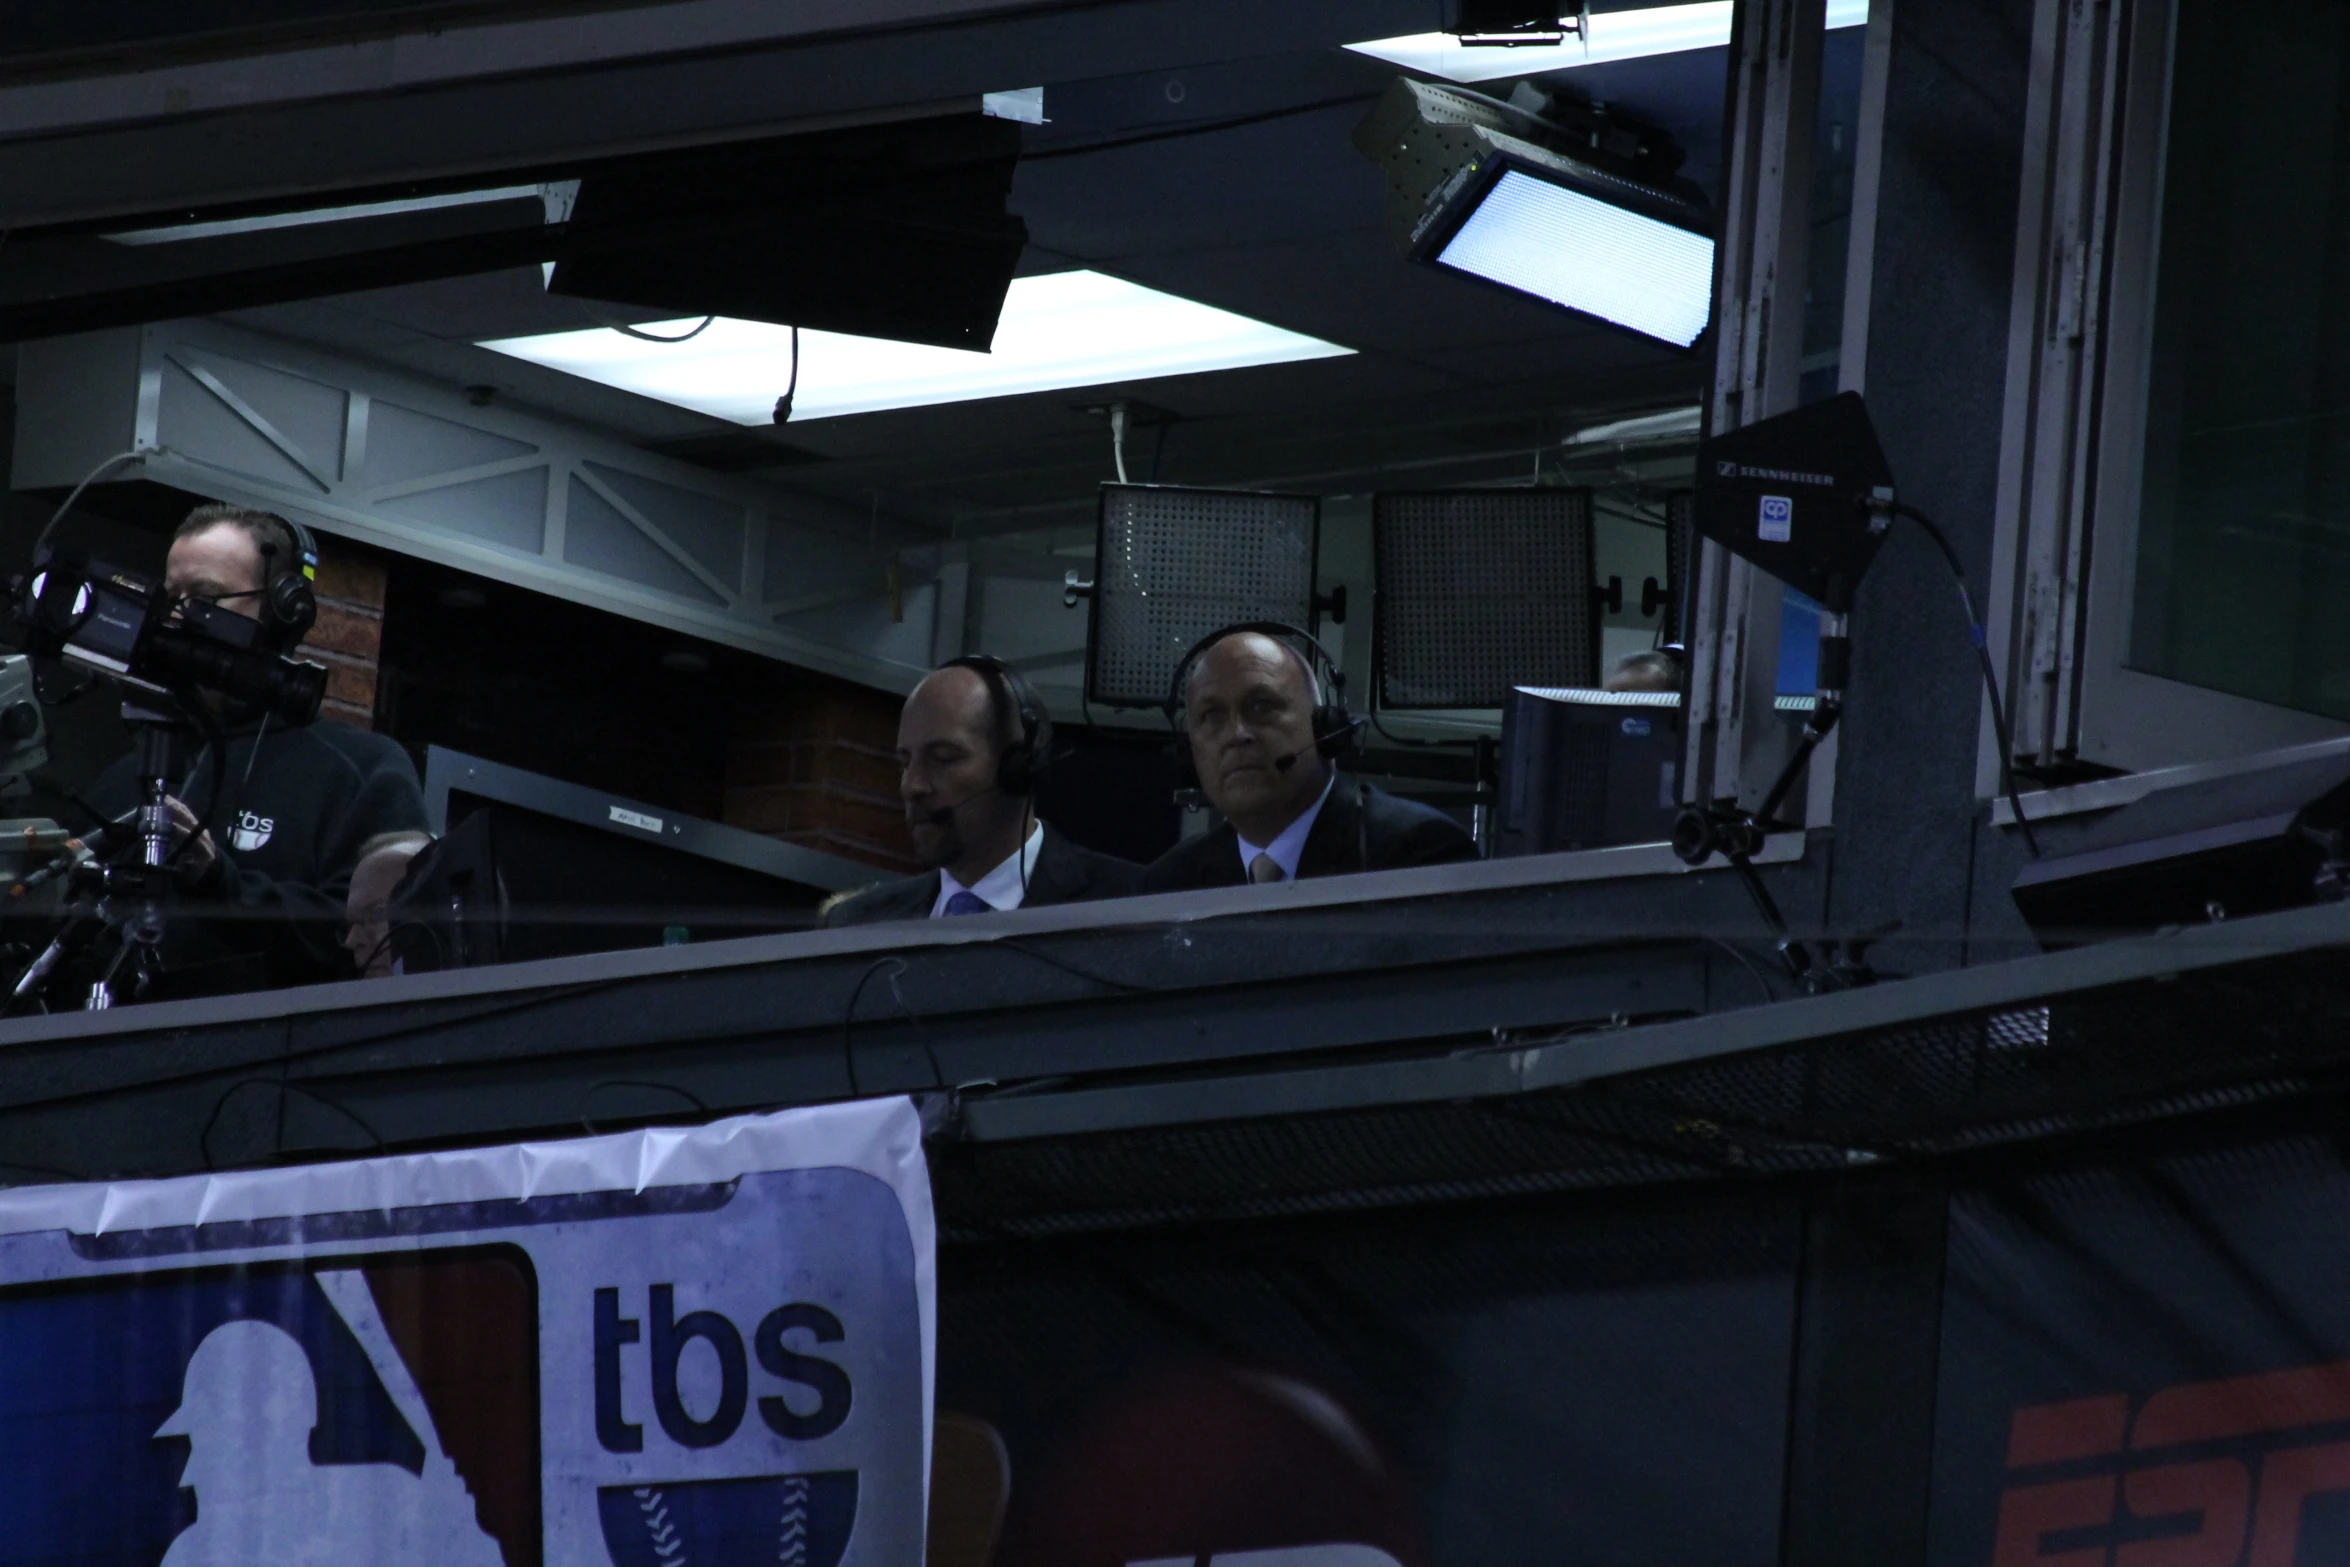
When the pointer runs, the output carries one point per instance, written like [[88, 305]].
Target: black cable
[[848, 1018], [1999, 728], [1405, 740], [1203, 128], [1762, 978], [625, 330], [1015, 944], [791, 390], [212, 1121], [588, 1097]]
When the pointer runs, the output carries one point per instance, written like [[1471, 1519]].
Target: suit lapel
[[1058, 878], [1333, 847]]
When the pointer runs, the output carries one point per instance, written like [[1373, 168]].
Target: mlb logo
[[1778, 520], [337, 1412], [375, 1407]]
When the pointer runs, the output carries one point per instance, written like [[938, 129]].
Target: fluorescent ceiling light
[[1589, 255], [1066, 329], [1615, 35], [369, 209]]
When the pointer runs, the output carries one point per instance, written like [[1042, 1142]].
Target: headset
[[1336, 731], [1022, 764], [289, 595]]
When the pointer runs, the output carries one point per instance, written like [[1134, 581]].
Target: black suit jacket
[[1064, 873], [1360, 828]]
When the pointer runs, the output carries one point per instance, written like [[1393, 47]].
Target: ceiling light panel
[[1615, 35], [1059, 331], [1589, 255]]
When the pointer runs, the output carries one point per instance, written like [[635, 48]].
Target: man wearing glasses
[[264, 883]]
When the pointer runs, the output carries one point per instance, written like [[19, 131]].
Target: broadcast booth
[[1820, 509]]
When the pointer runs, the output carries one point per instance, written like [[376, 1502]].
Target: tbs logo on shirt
[[250, 831]]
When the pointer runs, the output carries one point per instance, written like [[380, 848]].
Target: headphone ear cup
[[293, 608]]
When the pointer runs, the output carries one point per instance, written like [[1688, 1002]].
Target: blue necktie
[[967, 903]]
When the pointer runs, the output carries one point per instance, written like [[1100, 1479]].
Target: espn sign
[[2206, 1474]]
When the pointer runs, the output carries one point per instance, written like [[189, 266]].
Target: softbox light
[[1173, 564], [1481, 591], [1481, 188]]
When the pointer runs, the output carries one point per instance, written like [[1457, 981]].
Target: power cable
[[212, 1121], [1204, 128], [642, 336], [41, 539], [1974, 624]]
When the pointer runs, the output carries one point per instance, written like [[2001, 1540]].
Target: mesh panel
[[1171, 565], [1482, 590], [2093, 1060]]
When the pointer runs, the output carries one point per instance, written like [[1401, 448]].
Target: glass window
[[2243, 559]]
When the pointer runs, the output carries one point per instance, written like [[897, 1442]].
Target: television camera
[[167, 654]]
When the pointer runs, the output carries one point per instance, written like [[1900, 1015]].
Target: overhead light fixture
[[1472, 189], [1608, 37], [1061, 330], [1541, 236], [1514, 24]]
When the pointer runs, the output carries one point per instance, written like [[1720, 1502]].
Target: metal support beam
[[365, 452], [1758, 352]]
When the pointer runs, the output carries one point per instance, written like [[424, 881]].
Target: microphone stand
[[1703, 831]]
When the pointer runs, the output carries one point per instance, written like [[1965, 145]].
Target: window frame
[[2072, 461]]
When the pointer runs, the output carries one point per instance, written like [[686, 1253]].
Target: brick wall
[[348, 638], [819, 768]]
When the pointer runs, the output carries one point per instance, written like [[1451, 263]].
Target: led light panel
[[1482, 590], [1615, 35], [1584, 253], [1173, 564], [1067, 329]]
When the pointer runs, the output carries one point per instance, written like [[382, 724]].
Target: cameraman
[[264, 884]]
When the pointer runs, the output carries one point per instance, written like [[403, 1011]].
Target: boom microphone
[[1284, 763]]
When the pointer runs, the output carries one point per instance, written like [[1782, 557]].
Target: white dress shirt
[[1001, 888], [1291, 843]]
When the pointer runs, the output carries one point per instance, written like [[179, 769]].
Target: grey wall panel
[[1906, 812]]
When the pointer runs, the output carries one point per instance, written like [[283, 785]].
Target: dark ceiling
[[1234, 184]]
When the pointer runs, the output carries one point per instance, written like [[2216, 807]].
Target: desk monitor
[[533, 867], [1587, 769]]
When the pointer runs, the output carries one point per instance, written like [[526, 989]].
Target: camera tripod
[[130, 895]]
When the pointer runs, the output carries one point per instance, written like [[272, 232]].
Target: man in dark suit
[[972, 741], [1249, 705]]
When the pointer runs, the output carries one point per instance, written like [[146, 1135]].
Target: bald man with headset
[[973, 740], [1266, 743]]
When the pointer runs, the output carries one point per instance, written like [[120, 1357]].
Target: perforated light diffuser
[[1573, 249], [1482, 590], [1172, 565]]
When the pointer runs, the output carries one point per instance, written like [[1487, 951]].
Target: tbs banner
[[661, 1349]]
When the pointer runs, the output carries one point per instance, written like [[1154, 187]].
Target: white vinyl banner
[[701, 1348]]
